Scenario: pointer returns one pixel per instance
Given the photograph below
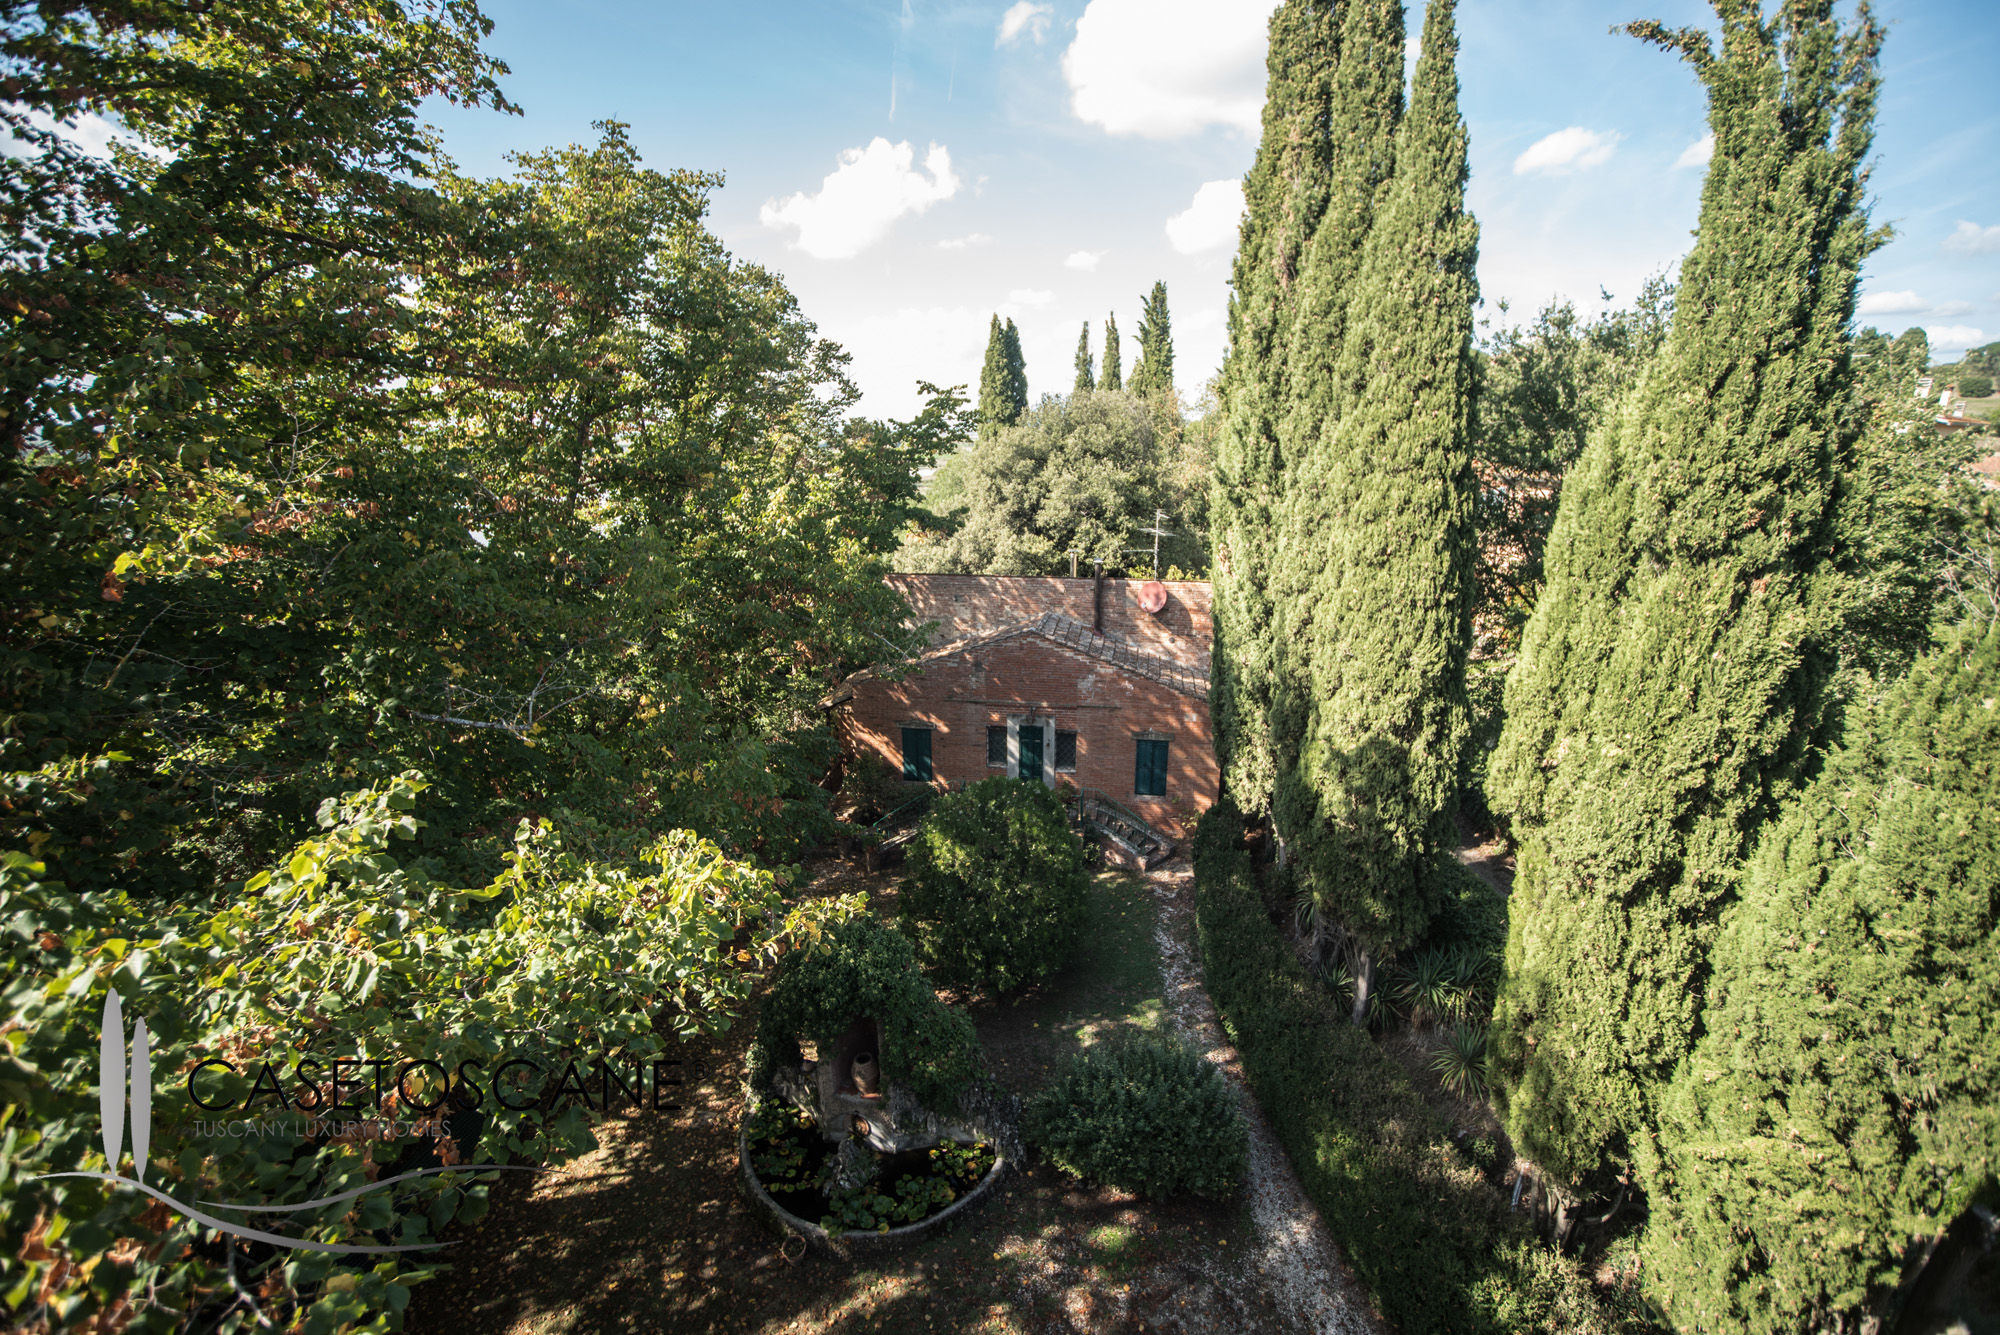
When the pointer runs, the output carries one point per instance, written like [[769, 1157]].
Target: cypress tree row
[[1285, 195], [1155, 370], [995, 382], [1017, 375], [1670, 688], [1085, 380], [1844, 1102], [1113, 377], [1388, 570]]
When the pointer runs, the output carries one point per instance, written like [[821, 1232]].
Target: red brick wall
[[959, 695], [968, 605]]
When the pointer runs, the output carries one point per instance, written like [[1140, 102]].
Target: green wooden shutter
[[1149, 775], [917, 754]]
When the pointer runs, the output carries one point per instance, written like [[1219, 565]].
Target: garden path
[[1299, 1263]]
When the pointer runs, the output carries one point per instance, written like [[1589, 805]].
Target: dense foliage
[[1544, 389], [1673, 683], [1142, 1114], [869, 971], [1371, 716], [1844, 1103], [1429, 1237], [1084, 474], [996, 892], [1086, 377], [1112, 377], [1285, 194], [324, 462], [339, 951]]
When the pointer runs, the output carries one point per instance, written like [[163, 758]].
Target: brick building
[[1101, 683]]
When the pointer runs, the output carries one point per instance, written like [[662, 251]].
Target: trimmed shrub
[[996, 891], [1428, 1236], [1147, 1114], [865, 969]]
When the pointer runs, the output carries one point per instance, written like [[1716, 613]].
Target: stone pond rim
[[853, 1244]]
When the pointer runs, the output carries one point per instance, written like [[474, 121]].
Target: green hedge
[[1429, 1237]]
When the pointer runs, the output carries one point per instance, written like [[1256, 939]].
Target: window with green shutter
[[917, 754], [1149, 776]]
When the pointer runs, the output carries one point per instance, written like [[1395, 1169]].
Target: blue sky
[[911, 167]]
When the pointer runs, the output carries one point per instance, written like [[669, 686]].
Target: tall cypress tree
[[1017, 375], [1369, 800], [1845, 1099], [1085, 380], [1155, 370], [1113, 377], [1285, 195], [1670, 688], [996, 405], [1365, 108]]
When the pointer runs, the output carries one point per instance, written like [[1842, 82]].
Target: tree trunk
[[1364, 987]]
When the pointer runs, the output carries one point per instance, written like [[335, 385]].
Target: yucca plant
[[1429, 990], [1472, 973], [1338, 980], [1461, 1062]]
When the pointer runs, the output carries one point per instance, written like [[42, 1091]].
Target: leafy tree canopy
[[1084, 474]]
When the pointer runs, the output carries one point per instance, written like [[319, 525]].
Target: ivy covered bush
[[1148, 1115], [869, 970], [995, 895]]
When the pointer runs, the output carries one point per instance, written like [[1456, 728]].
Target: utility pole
[[1158, 532]]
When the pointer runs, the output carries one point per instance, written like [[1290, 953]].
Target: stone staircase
[[1126, 831]]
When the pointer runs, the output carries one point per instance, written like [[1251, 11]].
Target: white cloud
[[894, 350], [1957, 336], [1210, 221], [1084, 260], [1909, 303], [858, 201], [1028, 296], [1892, 303], [1696, 154], [961, 242], [1970, 238], [1573, 150], [1025, 17], [1168, 68]]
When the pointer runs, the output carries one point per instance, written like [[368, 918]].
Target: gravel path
[[1300, 1265]]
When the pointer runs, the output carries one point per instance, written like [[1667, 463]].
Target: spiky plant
[[1461, 1063], [1428, 991]]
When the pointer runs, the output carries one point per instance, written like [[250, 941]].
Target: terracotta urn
[[867, 1076]]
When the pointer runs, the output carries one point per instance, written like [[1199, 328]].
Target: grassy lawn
[[648, 1232]]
